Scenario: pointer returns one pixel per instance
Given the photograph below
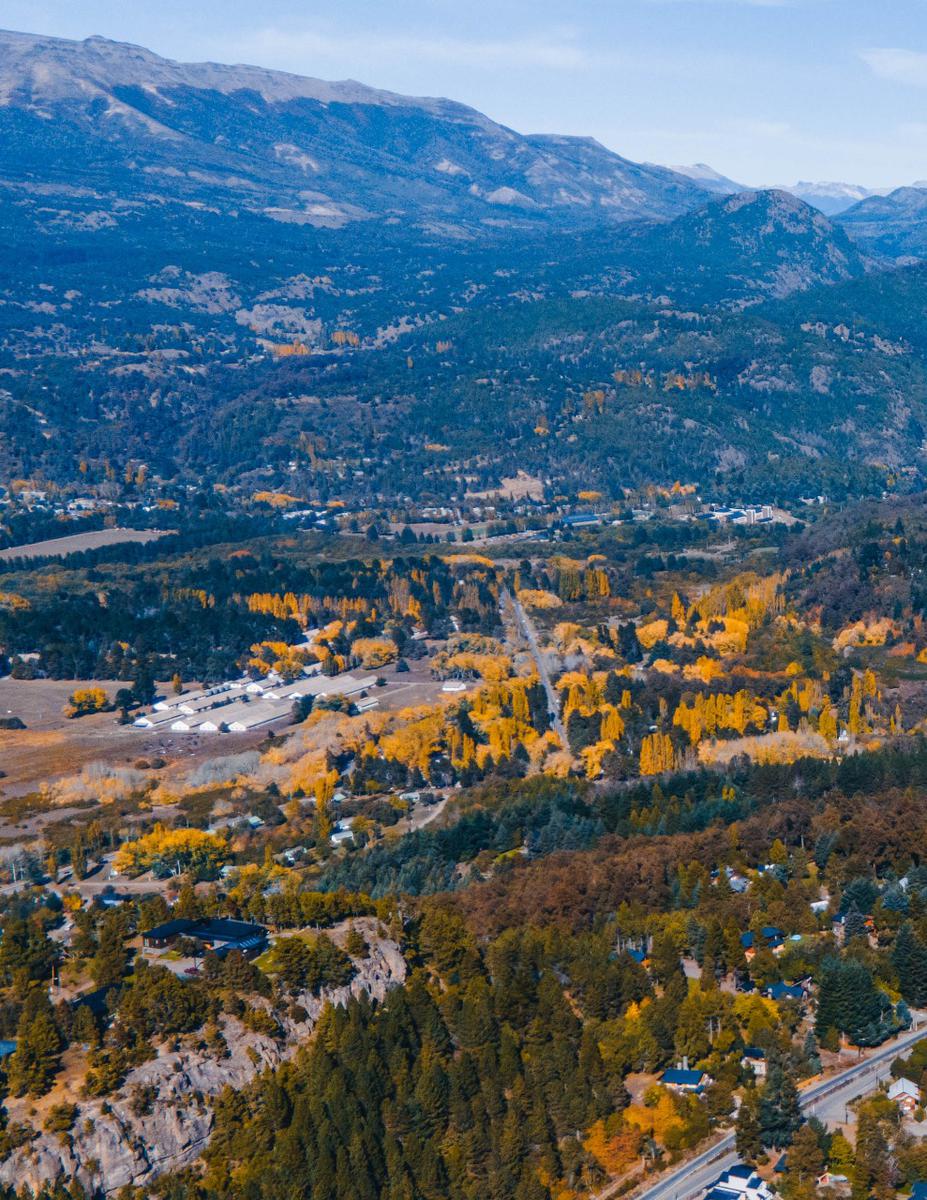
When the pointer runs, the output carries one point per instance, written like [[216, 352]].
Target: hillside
[[891, 227], [187, 282], [121, 125], [743, 247]]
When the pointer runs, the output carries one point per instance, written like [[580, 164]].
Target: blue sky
[[767, 91]]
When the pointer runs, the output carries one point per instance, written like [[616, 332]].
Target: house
[[218, 936], [741, 1182], [342, 832], [906, 1094], [165, 934], [785, 991], [681, 1079], [831, 1179], [772, 935], [754, 1059]]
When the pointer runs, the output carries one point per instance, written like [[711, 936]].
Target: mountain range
[[188, 278], [123, 123]]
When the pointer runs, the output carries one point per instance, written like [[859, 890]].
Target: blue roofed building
[[681, 1079], [741, 1182]]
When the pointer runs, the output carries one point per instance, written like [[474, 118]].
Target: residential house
[[218, 936], [342, 833], [785, 991], [681, 1079], [754, 1059], [906, 1094], [772, 935], [741, 1182]]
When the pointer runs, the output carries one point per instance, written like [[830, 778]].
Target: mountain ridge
[[305, 150]]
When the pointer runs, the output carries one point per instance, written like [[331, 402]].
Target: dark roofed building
[[218, 936], [771, 934], [163, 935]]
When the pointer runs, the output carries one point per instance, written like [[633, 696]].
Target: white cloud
[[556, 50], [903, 66]]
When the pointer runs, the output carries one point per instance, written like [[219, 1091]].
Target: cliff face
[[107, 1150]]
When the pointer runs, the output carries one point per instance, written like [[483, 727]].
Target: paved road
[[826, 1100], [526, 628]]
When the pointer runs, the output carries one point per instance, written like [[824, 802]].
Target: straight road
[[526, 629], [826, 1100]]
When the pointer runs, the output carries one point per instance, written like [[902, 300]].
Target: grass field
[[76, 542]]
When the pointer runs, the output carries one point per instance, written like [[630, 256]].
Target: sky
[[765, 91]]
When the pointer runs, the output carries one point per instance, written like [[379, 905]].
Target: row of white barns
[[245, 705]]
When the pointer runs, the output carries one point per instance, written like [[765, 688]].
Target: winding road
[[826, 1099]]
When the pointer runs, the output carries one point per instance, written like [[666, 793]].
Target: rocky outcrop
[[109, 1145]]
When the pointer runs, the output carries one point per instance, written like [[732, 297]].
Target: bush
[[60, 1118]]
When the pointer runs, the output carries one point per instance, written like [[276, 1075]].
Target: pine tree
[[747, 1131], [33, 1065], [779, 1107], [909, 958], [806, 1159]]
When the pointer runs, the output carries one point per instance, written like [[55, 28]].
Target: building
[[681, 1079], [241, 717], [218, 936], [772, 935], [906, 1094], [164, 935], [754, 1059], [342, 833], [740, 1183], [785, 991]]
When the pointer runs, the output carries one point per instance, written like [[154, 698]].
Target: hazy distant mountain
[[830, 198], [123, 122], [892, 226], [710, 179]]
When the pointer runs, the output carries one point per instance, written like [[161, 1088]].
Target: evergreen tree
[[909, 958], [39, 1044], [806, 1158], [779, 1111], [747, 1130]]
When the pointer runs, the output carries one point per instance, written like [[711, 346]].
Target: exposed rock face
[[106, 1151]]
